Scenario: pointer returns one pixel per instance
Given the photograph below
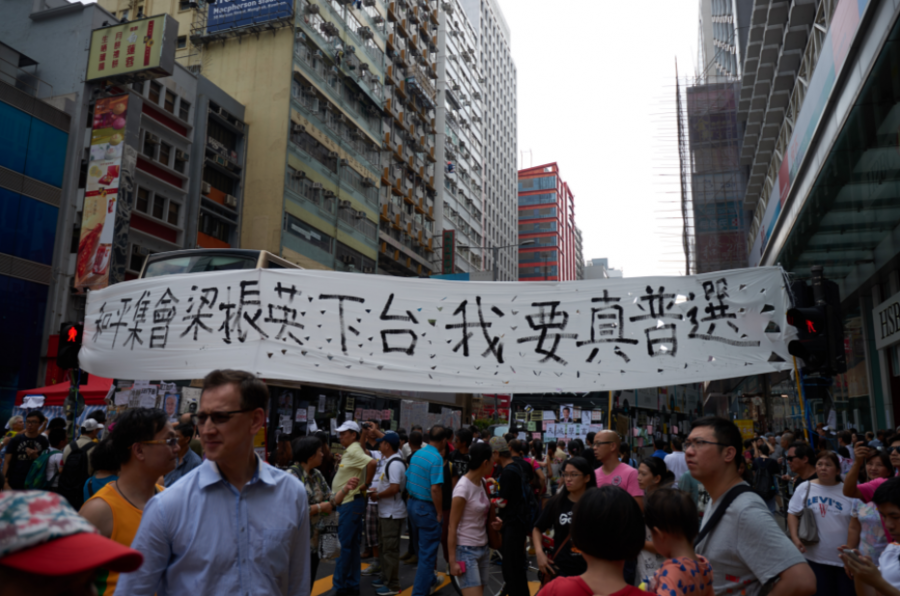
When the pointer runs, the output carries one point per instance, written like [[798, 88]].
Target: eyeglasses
[[171, 442], [698, 443], [893, 450], [219, 417]]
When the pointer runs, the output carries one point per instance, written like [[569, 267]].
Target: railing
[[25, 82]]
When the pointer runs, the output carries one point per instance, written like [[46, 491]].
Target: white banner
[[379, 332]]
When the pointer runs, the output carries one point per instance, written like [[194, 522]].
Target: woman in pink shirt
[[866, 490]]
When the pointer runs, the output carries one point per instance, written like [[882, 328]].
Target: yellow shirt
[[353, 464]]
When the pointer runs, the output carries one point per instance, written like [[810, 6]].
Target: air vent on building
[[346, 205], [152, 139], [180, 155], [231, 201], [206, 188]]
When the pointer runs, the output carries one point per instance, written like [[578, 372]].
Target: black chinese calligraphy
[[140, 317], [661, 339], [238, 313], [545, 322], [607, 325], [494, 346], [385, 346], [164, 312], [208, 297], [288, 316], [341, 300], [717, 311]]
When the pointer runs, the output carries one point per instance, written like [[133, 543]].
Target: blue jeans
[[350, 521], [478, 564], [427, 531]]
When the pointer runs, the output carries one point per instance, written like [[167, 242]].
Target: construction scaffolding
[[712, 179]]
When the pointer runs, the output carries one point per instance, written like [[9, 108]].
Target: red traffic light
[[72, 335]]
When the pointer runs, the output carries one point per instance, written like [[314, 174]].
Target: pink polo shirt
[[624, 476]]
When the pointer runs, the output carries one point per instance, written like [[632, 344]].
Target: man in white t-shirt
[[388, 485], [747, 549], [675, 461]]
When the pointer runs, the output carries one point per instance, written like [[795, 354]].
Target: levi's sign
[[887, 322], [379, 332]]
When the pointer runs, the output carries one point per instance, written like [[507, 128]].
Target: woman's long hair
[[580, 464]]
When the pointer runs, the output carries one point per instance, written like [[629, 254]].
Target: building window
[[150, 142], [159, 206], [174, 209], [155, 90], [219, 180], [213, 226], [142, 203], [185, 4], [182, 42], [164, 151], [170, 101], [138, 86], [303, 230], [184, 109], [136, 260]]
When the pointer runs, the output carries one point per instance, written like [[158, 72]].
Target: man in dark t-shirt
[[567, 563], [23, 449], [515, 519]]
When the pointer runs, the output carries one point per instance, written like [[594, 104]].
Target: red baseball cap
[[41, 533]]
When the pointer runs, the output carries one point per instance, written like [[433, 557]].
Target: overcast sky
[[596, 94]]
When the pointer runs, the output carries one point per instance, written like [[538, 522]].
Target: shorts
[[478, 563], [371, 527]]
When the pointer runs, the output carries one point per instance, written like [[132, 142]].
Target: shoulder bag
[[727, 499], [808, 532]]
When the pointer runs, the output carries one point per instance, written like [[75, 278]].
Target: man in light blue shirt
[[235, 525], [188, 460], [423, 483]]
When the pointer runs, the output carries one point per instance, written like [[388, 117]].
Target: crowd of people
[[187, 507]]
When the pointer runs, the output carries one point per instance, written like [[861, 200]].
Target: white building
[[500, 135], [599, 269]]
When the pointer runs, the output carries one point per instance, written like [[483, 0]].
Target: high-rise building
[[579, 254], [500, 135], [722, 39], [600, 269], [548, 248], [460, 143]]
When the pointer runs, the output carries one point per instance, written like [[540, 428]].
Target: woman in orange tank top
[[143, 442]]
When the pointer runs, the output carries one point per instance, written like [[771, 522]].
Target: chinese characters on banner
[[428, 335], [101, 194], [139, 46]]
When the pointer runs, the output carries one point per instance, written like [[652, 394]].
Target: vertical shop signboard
[[108, 193]]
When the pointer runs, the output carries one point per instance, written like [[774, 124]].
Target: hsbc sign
[[886, 317]]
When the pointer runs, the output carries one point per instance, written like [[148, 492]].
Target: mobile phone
[[852, 554], [462, 566]]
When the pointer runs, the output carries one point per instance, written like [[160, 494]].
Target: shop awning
[[94, 392]]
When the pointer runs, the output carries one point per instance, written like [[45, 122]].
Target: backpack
[[75, 474], [764, 483], [404, 494], [37, 474], [531, 509]]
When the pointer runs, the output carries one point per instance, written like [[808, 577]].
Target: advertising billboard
[[231, 14], [108, 185], [142, 49]]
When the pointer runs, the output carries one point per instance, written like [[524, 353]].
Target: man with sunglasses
[[744, 544], [801, 460], [187, 459], [235, 524]]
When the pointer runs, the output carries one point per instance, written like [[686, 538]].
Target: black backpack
[[764, 482], [531, 508], [404, 494], [75, 473]]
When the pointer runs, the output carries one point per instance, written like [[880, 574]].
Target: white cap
[[348, 425], [90, 425]]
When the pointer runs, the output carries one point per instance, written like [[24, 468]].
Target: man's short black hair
[[465, 436], [726, 433], [590, 437], [57, 422], [676, 443], [609, 511], [98, 415], [889, 492], [659, 443], [415, 438], [186, 429], [845, 436], [36, 414], [57, 436], [254, 393], [802, 450]]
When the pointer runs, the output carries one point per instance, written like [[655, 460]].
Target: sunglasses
[[893, 450], [218, 418], [171, 442]]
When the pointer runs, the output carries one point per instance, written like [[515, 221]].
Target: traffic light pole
[[800, 395]]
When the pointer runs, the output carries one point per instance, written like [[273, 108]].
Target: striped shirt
[[425, 469]]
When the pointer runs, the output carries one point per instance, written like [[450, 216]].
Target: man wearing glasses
[[234, 525], [23, 449], [750, 553], [612, 471], [800, 458]]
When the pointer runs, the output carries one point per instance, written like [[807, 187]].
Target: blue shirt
[[190, 461], [660, 454], [425, 469], [203, 537]]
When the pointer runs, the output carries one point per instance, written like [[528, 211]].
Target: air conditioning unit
[[180, 155], [297, 128], [378, 19], [347, 259], [360, 215], [368, 182], [365, 33], [333, 154], [299, 34], [231, 201], [151, 138], [311, 9], [476, 95], [368, 2], [205, 188], [317, 186], [298, 175], [456, 86], [346, 205], [344, 162]]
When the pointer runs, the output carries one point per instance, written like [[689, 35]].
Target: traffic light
[[69, 344], [817, 316]]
